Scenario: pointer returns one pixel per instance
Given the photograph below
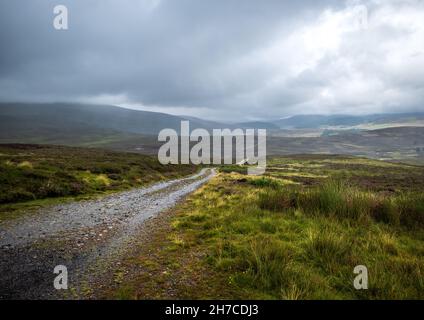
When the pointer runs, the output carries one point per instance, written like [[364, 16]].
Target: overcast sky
[[218, 59]]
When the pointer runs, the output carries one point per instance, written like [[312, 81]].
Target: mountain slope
[[23, 119], [317, 121]]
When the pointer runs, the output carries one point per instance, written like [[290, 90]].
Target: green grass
[[338, 200], [295, 233], [271, 238], [31, 174]]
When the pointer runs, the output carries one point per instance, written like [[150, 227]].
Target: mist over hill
[[38, 118], [44, 118], [391, 136]]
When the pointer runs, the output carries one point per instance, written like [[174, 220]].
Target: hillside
[[390, 144], [319, 121], [18, 120], [36, 172], [65, 120], [122, 129]]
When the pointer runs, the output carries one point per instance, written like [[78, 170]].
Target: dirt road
[[87, 237]]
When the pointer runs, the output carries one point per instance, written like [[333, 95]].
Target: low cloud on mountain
[[233, 60]]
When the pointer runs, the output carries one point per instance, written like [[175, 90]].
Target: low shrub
[[411, 210], [265, 182], [16, 196], [276, 200]]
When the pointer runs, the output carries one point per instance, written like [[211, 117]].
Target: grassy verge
[[296, 233], [36, 175]]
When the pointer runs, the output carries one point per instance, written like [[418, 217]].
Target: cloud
[[218, 59]]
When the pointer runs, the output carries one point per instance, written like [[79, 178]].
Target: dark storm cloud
[[232, 59]]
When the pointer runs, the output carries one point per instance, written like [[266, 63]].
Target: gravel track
[[88, 237]]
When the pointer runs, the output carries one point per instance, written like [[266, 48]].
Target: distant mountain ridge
[[123, 129], [66, 116], [25, 120], [318, 121]]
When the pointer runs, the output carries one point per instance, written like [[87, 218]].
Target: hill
[[319, 121], [18, 119], [401, 143], [104, 126]]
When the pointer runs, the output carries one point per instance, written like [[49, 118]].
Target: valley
[[396, 137]]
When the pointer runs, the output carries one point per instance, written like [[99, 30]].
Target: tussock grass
[[326, 248], [265, 182], [268, 259], [338, 199], [411, 209], [283, 241], [263, 238], [25, 165]]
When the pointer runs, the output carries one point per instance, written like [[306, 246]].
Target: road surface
[[87, 237]]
